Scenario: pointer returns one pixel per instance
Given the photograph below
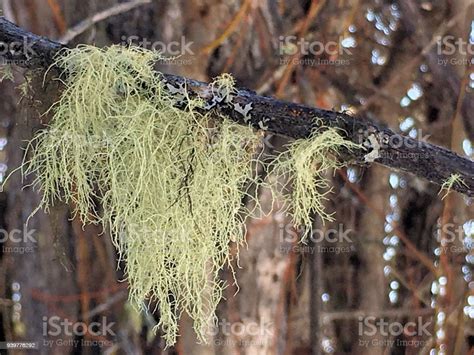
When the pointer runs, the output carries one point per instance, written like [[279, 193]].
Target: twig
[[229, 29], [119, 296], [313, 12], [100, 16], [433, 163]]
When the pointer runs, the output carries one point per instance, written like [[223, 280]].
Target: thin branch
[[313, 12], [84, 25], [433, 163], [236, 20], [110, 301]]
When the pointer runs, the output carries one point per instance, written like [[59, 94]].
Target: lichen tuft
[[454, 179], [306, 162], [166, 183]]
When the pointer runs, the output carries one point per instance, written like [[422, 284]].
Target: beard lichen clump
[[167, 183], [305, 162]]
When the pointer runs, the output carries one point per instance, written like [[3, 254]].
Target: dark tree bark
[[434, 163]]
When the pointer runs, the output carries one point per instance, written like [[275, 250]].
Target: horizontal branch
[[433, 163]]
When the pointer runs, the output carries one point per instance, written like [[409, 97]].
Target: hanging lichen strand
[[306, 162], [166, 183]]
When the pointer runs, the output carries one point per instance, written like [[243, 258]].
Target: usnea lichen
[[449, 183], [6, 72], [306, 162], [166, 183]]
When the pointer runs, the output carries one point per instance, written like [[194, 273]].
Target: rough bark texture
[[422, 159]]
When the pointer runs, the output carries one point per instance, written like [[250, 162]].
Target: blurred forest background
[[396, 253]]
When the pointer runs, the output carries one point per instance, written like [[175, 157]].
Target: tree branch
[[84, 25], [425, 160]]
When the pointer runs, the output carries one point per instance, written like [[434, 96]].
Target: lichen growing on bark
[[167, 183], [454, 179], [306, 162]]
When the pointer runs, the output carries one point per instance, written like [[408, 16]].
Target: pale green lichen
[[166, 183], [306, 162], [223, 87], [449, 183], [6, 72]]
